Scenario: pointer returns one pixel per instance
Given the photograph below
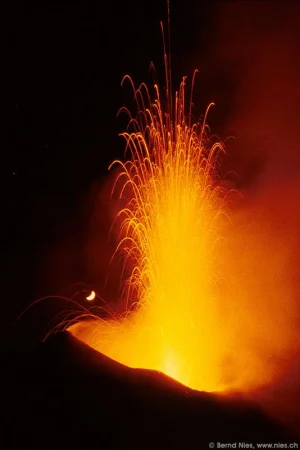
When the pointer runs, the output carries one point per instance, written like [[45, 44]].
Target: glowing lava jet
[[168, 234], [212, 317]]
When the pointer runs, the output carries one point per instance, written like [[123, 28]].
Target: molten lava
[[186, 314], [169, 236]]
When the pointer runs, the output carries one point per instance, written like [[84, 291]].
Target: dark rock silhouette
[[63, 395]]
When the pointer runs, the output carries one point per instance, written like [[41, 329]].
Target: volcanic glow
[[179, 318]]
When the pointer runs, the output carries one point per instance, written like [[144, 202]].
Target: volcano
[[63, 394]]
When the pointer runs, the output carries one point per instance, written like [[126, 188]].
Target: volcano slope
[[61, 394]]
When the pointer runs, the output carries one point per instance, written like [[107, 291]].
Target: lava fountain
[[168, 234], [181, 315]]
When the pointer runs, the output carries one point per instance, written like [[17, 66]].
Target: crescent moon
[[91, 296]]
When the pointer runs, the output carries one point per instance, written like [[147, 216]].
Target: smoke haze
[[256, 47]]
